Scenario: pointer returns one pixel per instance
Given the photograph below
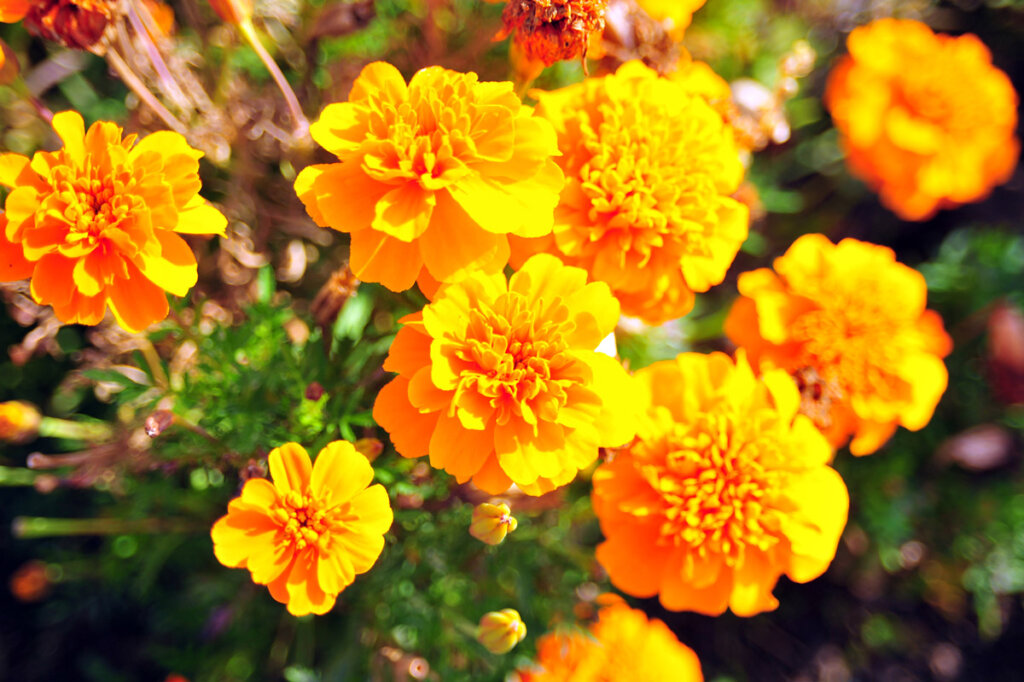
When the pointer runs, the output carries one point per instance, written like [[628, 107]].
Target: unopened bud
[[158, 422], [500, 631], [30, 582], [491, 523], [19, 421], [369, 447], [233, 11], [314, 391]]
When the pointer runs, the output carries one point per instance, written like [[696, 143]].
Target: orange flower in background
[[434, 174], [724, 489], [649, 168], [622, 646], [498, 380], [675, 14], [309, 533], [850, 323], [77, 24], [926, 119], [99, 222]]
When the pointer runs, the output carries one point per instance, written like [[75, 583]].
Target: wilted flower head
[[724, 489], [925, 118], [19, 421], [623, 646], [97, 223], [649, 168], [500, 631], [309, 533], [492, 522], [74, 23], [499, 381], [434, 174], [549, 31], [850, 320]]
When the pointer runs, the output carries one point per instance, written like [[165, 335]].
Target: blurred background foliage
[[108, 561]]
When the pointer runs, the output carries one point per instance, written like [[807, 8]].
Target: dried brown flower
[[74, 23], [552, 30]]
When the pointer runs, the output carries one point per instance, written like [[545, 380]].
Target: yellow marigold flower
[[500, 631], [99, 221], [675, 14], [308, 534], [492, 522], [74, 23], [434, 174], [498, 380], [724, 489], [925, 118], [623, 646], [19, 421], [649, 168], [850, 322]]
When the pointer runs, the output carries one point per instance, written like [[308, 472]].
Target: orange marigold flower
[[725, 488], [623, 646], [649, 168], [19, 421], [500, 631], [850, 323], [675, 14], [498, 380], [925, 118], [99, 221], [548, 31], [74, 23], [308, 534], [434, 174]]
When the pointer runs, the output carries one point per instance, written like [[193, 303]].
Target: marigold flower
[[850, 323], [492, 522], [74, 23], [724, 489], [500, 631], [99, 221], [498, 380], [926, 119], [19, 421], [623, 646], [548, 31], [434, 174], [308, 534], [649, 169]]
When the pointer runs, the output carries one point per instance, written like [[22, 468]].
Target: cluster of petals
[[432, 176], [307, 535], [850, 322], [74, 23], [622, 646], [725, 488], [498, 380], [925, 118], [97, 223], [650, 166]]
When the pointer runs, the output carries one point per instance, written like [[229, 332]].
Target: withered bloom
[[552, 30], [73, 23]]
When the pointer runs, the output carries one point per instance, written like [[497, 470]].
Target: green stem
[[14, 476], [53, 427], [29, 527]]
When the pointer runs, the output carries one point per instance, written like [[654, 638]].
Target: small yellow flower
[[19, 421], [492, 522], [501, 630]]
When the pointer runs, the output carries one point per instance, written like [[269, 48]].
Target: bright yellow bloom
[[500, 631], [434, 174], [99, 222], [498, 379], [850, 323], [19, 421], [623, 646], [649, 168], [309, 533], [492, 522], [724, 489], [925, 118]]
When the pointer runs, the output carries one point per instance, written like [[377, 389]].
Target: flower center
[[715, 487], [307, 521]]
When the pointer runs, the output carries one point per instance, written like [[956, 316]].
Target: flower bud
[[233, 11], [491, 523], [500, 631], [369, 447], [19, 422]]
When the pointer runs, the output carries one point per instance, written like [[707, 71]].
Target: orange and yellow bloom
[[307, 535], [646, 207], [725, 488], [622, 646], [850, 323], [926, 119], [498, 380], [97, 223], [433, 175]]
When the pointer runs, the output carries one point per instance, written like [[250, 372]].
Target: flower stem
[[300, 120], [27, 527], [136, 85], [53, 427], [157, 59], [14, 476]]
